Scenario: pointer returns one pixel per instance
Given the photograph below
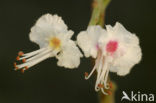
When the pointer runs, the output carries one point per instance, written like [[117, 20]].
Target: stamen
[[99, 63], [39, 60], [102, 75], [17, 58], [35, 59], [16, 68], [109, 92], [26, 67], [86, 74], [40, 54], [20, 53], [24, 60], [27, 55], [106, 78], [98, 60], [100, 85], [99, 68], [102, 89], [110, 84], [22, 70], [15, 64], [104, 69]]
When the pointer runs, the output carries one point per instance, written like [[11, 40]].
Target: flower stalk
[[98, 18], [98, 13]]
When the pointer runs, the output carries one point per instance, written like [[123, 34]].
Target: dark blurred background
[[47, 83]]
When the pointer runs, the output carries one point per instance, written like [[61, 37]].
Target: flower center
[[111, 46], [55, 43]]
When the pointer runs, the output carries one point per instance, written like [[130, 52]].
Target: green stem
[[99, 7], [97, 18]]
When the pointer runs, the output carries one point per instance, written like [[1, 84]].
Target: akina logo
[[138, 96]]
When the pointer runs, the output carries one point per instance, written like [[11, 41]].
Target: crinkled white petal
[[88, 40], [48, 26], [124, 64], [70, 55], [128, 53]]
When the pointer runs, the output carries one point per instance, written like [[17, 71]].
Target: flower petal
[[70, 55], [128, 53], [88, 40], [48, 26]]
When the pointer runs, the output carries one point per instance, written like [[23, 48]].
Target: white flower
[[115, 49], [51, 34]]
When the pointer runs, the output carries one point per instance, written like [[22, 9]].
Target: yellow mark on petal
[[55, 43]]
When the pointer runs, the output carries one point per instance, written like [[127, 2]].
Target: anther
[[86, 74], [20, 53], [16, 68], [26, 67], [110, 84], [17, 58], [100, 85], [15, 64], [23, 60], [22, 70], [109, 92]]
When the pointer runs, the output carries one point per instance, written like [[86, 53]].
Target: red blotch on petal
[[111, 46]]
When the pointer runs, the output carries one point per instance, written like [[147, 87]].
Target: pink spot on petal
[[111, 46], [97, 46]]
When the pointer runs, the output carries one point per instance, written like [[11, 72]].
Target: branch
[[98, 13]]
